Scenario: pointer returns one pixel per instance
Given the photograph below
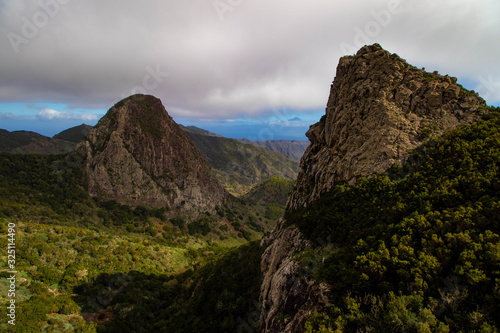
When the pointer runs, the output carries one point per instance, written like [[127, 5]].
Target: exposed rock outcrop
[[379, 108], [138, 155], [287, 296]]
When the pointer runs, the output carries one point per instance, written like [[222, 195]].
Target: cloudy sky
[[260, 69]]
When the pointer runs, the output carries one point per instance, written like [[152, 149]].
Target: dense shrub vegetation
[[51, 189], [220, 296], [87, 265], [416, 249], [274, 190], [77, 279]]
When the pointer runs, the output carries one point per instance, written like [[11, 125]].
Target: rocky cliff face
[[138, 155], [379, 108]]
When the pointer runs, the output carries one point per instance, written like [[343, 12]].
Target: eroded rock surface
[[138, 155]]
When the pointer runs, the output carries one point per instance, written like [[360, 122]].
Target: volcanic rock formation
[[379, 108], [138, 155]]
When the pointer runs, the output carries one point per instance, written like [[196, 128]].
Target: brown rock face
[[379, 108], [288, 297], [138, 155]]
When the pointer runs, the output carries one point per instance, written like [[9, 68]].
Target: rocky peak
[[138, 155], [379, 108]]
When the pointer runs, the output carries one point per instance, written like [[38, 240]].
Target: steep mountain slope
[[379, 108], [138, 155], [292, 148], [87, 261], [74, 134], [239, 166], [23, 142]]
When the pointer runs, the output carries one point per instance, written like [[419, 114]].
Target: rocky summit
[[380, 107], [138, 155]]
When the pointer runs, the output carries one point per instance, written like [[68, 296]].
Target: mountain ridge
[[379, 108], [392, 224], [26, 142], [241, 166], [292, 148], [74, 134], [197, 130]]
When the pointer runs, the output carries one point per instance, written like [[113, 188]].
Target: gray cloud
[[243, 61], [51, 114]]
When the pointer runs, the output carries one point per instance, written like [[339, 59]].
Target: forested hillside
[[416, 249], [75, 279], [240, 166], [24, 142], [75, 254], [274, 190], [292, 148]]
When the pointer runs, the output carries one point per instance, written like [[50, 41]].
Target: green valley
[[240, 166]]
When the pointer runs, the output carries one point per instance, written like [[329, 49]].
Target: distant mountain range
[[137, 169], [24, 142], [293, 148], [197, 130], [74, 134]]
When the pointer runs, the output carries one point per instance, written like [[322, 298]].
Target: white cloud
[[49, 114]]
